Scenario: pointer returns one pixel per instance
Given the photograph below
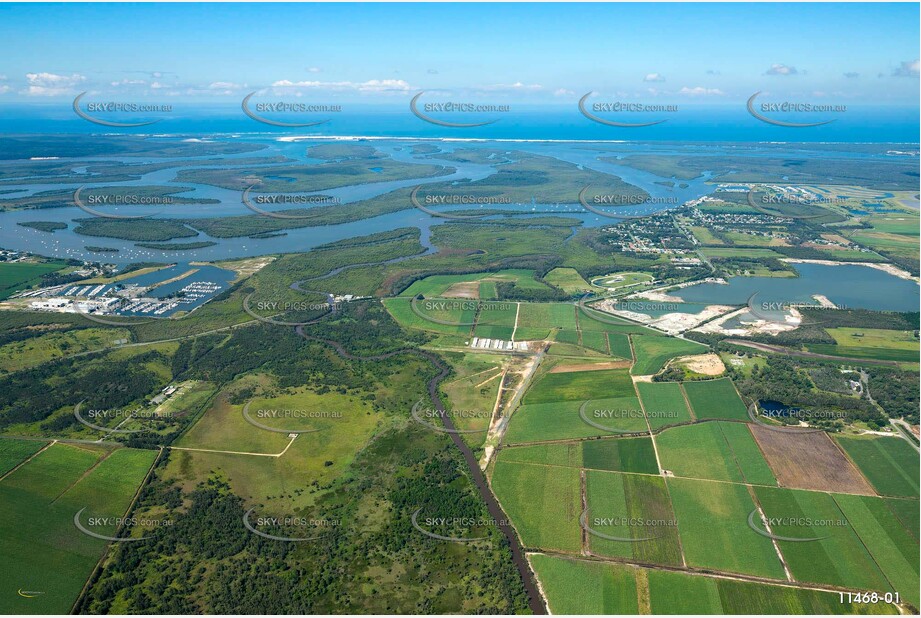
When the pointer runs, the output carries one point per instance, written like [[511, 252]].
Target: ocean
[[728, 123]]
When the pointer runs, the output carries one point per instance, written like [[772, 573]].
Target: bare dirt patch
[[463, 289], [704, 364], [809, 461], [590, 366]]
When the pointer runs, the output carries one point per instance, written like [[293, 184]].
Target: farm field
[[538, 320], [568, 279], [585, 587], [891, 465], [18, 276], [42, 550], [838, 556], [712, 521], [619, 455], [13, 452], [631, 506], [561, 420], [680, 593], [664, 403], [653, 352], [809, 460], [719, 451], [893, 548], [715, 399], [20, 355], [579, 386], [496, 320], [542, 501]]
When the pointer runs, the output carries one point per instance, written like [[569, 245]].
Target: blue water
[[727, 123], [848, 286]]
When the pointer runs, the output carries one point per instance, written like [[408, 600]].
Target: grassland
[[542, 501], [874, 343], [339, 426], [577, 587], [712, 521], [42, 550], [891, 465], [34, 351], [536, 320], [715, 399], [653, 352], [664, 403]]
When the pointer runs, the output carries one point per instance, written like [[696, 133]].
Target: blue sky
[[536, 53]]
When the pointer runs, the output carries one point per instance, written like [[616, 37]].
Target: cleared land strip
[[779, 349], [29, 458], [208, 450]]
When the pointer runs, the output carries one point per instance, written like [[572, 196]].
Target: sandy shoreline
[[886, 268]]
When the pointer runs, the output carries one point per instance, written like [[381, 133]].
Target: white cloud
[[314, 70], [128, 82], [562, 92], [372, 85], [699, 91], [852, 75], [781, 69], [51, 84], [516, 87], [908, 68], [654, 77], [4, 88], [712, 72]]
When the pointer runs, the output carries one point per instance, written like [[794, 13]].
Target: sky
[[523, 53]]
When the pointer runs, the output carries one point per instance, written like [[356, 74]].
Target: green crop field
[[582, 587], [718, 451], [907, 512], [631, 506], [838, 557], [681, 593], [568, 279], [561, 420], [715, 399], [580, 385], [13, 452], [890, 464], [620, 455], [664, 403], [619, 344], [713, 523], [893, 548], [42, 550], [747, 455], [653, 352], [595, 340], [402, 311], [743, 252], [542, 501], [567, 454], [591, 319], [496, 320], [18, 276], [536, 320]]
